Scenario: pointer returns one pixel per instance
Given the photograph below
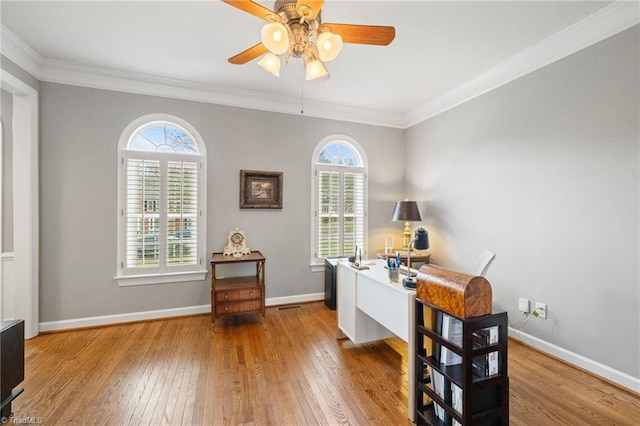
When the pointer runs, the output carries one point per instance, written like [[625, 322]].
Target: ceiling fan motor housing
[[299, 32], [300, 37], [289, 11]]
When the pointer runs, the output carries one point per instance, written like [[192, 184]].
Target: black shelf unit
[[11, 365], [484, 397]]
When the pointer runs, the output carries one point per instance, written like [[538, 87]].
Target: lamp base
[[406, 237], [409, 283]]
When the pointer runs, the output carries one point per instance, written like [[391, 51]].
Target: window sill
[[174, 277], [317, 267]]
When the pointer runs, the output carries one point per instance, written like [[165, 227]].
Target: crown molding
[[87, 76], [20, 52], [605, 23]]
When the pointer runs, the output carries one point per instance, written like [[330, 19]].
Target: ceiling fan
[[291, 31]]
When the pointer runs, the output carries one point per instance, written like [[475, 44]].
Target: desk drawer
[[238, 295], [239, 307]]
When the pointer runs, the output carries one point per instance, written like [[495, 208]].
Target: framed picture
[[260, 190]]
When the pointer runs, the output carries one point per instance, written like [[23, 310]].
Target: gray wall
[[544, 171], [6, 115], [80, 129]]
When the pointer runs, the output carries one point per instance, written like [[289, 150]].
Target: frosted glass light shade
[[275, 37], [270, 63], [329, 46], [316, 69]]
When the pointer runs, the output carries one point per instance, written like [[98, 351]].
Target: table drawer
[[238, 295], [238, 307]]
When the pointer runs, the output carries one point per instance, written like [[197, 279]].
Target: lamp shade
[[329, 46], [270, 63], [406, 211], [275, 37], [316, 69]]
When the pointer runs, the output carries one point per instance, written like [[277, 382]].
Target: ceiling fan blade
[[362, 34], [249, 54], [253, 8], [309, 8]]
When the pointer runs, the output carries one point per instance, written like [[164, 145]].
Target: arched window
[[161, 193], [339, 201]]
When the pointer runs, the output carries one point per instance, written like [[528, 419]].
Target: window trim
[[126, 277], [314, 265]]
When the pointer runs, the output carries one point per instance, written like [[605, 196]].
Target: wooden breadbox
[[459, 294]]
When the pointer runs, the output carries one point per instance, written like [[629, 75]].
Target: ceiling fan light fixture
[[270, 63], [275, 37], [329, 46], [315, 69], [296, 30]]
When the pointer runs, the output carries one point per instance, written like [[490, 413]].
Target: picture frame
[[260, 190]]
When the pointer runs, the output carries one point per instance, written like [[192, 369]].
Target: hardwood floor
[[286, 370]]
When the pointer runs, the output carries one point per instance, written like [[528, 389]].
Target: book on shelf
[[485, 365], [437, 380], [485, 337], [456, 398], [452, 331]]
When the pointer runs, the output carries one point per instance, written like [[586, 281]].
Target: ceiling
[[439, 46]]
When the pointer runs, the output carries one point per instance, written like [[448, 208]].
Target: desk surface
[[378, 272]]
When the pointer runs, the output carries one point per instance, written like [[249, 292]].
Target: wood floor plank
[[287, 368]]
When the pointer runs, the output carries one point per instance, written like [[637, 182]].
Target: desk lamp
[[406, 211], [420, 242]]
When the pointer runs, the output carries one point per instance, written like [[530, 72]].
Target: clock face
[[237, 243]]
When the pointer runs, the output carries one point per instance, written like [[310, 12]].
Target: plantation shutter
[[328, 214], [341, 213], [353, 213], [182, 213], [142, 213]]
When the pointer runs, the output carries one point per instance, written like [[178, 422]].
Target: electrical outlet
[[541, 309], [523, 305]]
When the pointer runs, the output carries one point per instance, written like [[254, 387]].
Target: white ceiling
[[439, 46]]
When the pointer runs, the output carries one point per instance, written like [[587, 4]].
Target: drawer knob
[[251, 305], [226, 308], [226, 295], [250, 293]]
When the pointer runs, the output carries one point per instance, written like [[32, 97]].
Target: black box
[[11, 362]]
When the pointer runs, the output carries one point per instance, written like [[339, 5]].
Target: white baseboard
[[301, 298], [615, 376], [162, 313], [122, 318]]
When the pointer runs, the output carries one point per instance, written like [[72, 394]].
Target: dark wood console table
[[237, 295]]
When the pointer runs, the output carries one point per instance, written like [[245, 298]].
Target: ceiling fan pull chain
[[302, 96]]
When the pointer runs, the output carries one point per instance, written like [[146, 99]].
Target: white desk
[[370, 307]]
